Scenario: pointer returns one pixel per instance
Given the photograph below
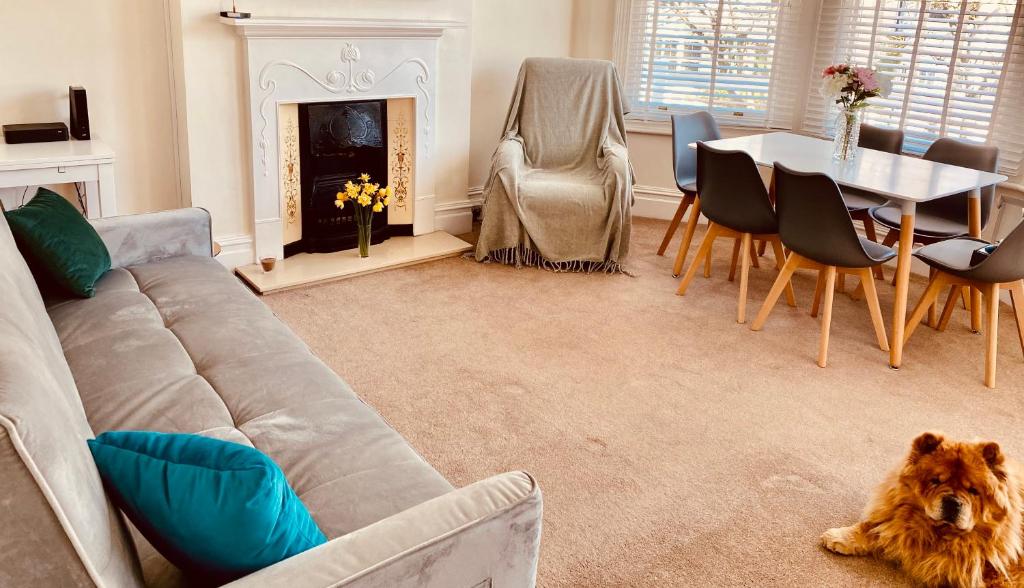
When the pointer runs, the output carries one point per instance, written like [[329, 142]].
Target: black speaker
[[35, 133], [79, 113]]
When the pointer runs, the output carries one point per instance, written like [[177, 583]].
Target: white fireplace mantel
[[352, 28], [295, 60]]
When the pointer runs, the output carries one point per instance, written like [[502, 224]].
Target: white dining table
[[903, 179]]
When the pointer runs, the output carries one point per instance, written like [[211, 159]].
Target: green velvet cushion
[[59, 244]]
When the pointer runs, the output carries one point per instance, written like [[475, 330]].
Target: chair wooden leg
[[781, 283], [745, 245], [841, 282], [762, 247], [965, 296], [707, 261], [991, 333], [1017, 298], [871, 296], [705, 246], [684, 203], [684, 245], [869, 232], [975, 295], [735, 258], [780, 261], [753, 255], [933, 310], [947, 311], [931, 293], [891, 237], [826, 315], [857, 293], [818, 287]]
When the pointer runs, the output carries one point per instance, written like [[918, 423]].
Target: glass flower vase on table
[[850, 87], [367, 198]]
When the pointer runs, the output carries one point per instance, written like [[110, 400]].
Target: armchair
[[560, 187]]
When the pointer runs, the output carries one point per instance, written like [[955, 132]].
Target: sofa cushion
[[55, 513], [180, 346], [59, 244], [217, 509]]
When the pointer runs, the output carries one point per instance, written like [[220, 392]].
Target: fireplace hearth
[[338, 141]]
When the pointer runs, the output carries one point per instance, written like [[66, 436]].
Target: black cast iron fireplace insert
[[337, 142]]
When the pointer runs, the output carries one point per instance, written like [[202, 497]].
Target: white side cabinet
[[60, 162]]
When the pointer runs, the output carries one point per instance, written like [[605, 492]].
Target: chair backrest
[[972, 155], [567, 111], [686, 129], [732, 192], [879, 139], [1006, 263], [813, 219]]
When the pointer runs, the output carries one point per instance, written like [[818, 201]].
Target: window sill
[[644, 127], [664, 127]]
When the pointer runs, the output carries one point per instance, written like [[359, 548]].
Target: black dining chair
[[686, 129], [967, 262], [735, 201], [816, 227], [944, 218], [860, 202]]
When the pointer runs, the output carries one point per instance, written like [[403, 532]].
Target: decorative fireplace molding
[[337, 82], [312, 60]]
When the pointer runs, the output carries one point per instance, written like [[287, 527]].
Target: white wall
[[216, 112], [505, 33], [117, 50]]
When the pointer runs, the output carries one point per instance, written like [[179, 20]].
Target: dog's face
[[957, 485]]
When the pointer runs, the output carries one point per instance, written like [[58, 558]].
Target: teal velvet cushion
[[59, 244], [217, 510]]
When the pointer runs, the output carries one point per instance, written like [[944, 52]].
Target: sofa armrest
[[141, 238], [484, 535]]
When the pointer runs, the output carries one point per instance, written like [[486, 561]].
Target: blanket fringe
[[521, 256]]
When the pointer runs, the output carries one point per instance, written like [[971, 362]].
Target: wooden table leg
[[974, 228], [899, 309]]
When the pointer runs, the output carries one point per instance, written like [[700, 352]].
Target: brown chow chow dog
[[949, 516]]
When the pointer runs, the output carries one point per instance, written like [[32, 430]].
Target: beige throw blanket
[[560, 187]]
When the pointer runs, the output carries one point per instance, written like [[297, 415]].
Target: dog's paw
[[840, 540]]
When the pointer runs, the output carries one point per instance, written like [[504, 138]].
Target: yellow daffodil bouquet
[[367, 198]]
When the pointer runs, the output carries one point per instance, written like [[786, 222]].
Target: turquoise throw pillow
[[217, 510], [59, 244]]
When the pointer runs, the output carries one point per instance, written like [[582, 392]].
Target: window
[[717, 55], [948, 60]]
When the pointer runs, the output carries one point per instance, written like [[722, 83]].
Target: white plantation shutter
[[1008, 118], [717, 55], [948, 61]]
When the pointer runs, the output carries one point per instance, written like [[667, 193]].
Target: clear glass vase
[[844, 146], [364, 222]]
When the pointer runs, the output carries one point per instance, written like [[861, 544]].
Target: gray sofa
[[173, 342]]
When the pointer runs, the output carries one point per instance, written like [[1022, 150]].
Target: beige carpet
[[673, 446]]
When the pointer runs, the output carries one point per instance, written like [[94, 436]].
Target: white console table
[[63, 162]]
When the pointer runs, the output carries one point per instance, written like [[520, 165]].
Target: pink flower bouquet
[[850, 86]]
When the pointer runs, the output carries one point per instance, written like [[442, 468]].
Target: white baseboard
[[649, 201], [456, 218], [235, 250], [655, 201]]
